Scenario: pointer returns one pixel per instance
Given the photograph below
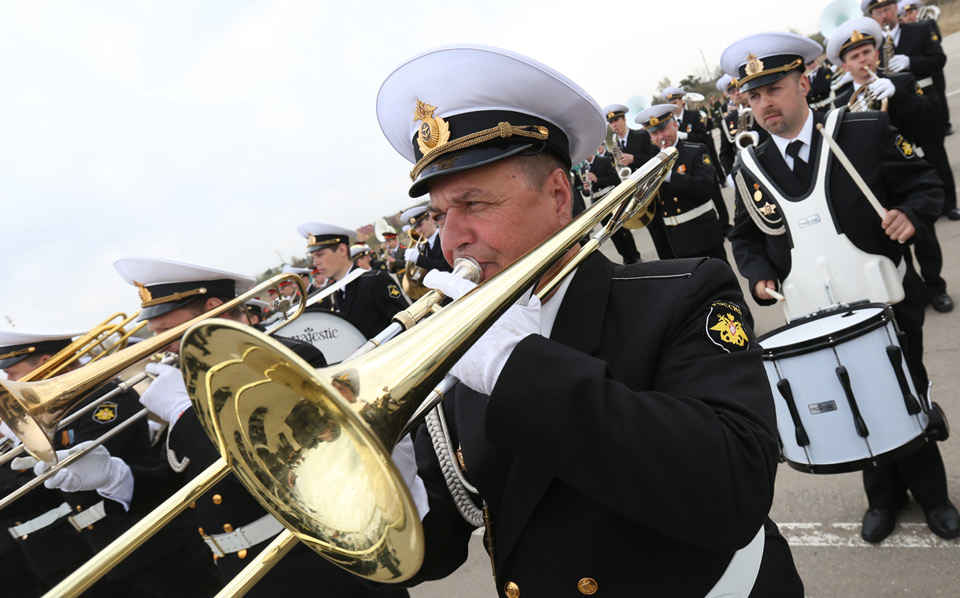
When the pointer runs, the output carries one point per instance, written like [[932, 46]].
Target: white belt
[[925, 82], [38, 523], [737, 581], [244, 537], [88, 517], [691, 215]]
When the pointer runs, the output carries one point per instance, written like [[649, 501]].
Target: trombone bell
[[303, 445]]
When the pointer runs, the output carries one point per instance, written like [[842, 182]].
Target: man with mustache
[[775, 240]]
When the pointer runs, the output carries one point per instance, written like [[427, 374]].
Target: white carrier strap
[[244, 537], [738, 579], [826, 267], [37, 523], [88, 517]]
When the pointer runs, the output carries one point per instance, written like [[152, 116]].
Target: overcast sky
[[208, 131]]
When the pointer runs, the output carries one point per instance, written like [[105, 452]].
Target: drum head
[[333, 334], [824, 329]]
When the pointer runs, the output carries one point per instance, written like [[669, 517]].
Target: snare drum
[[844, 396], [330, 332]]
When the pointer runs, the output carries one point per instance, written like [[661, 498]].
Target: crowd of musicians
[[629, 408]]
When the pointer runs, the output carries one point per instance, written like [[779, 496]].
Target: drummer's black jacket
[[884, 159], [639, 454]]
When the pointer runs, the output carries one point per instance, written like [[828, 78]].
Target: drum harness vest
[[819, 253]]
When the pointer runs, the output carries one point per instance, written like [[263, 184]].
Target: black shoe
[[942, 303], [944, 521], [633, 259], [953, 214], [877, 524]]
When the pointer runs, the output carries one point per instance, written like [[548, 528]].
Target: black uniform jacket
[[922, 45], [431, 258], [639, 145], [602, 168], [693, 124], [691, 185], [728, 147], [370, 301], [886, 162], [819, 86], [629, 447], [913, 112]]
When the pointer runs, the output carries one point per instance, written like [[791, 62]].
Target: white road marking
[[953, 93], [906, 535]]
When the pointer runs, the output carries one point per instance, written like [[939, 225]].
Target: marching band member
[[916, 49], [768, 248], [691, 126], [429, 254], [730, 126], [56, 545], [369, 301], [685, 200], [821, 78], [567, 421], [635, 149], [361, 256], [394, 252], [914, 113]]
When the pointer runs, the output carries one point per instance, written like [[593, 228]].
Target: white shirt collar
[[806, 136], [895, 34], [433, 238]]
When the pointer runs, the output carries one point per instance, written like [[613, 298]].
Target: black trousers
[[930, 259], [920, 472], [626, 246]]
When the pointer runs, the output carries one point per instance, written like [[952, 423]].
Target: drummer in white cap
[[371, 299], [783, 181], [492, 137]]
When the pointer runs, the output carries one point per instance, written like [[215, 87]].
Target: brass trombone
[[364, 519]]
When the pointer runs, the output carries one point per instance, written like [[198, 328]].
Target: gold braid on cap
[[18, 352], [755, 69], [147, 300], [855, 38], [502, 130]]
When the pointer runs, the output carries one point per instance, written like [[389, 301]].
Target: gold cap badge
[[434, 131], [754, 65], [654, 121], [857, 36], [145, 294]]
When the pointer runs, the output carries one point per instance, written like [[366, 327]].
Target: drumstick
[[775, 294]]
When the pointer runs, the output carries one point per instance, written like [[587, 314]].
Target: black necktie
[[799, 166], [623, 143]]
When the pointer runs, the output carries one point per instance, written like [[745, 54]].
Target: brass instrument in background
[[929, 12], [412, 280], [863, 99], [888, 49], [613, 146], [746, 136], [583, 169], [338, 490]]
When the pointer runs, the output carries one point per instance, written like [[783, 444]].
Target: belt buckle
[[214, 546]]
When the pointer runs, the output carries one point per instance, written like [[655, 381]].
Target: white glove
[[682, 134], [406, 461], [448, 284], [411, 255], [669, 174], [97, 470], [167, 395], [882, 88], [730, 182], [898, 63], [481, 365]]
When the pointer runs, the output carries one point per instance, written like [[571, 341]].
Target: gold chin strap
[[173, 297], [18, 352], [502, 130], [780, 69]]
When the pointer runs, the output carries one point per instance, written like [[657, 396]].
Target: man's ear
[[558, 189]]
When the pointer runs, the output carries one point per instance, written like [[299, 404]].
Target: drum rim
[[878, 320], [886, 458]]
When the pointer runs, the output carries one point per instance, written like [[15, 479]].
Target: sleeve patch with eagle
[[724, 327], [105, 412], [393, 291], [905, 147]]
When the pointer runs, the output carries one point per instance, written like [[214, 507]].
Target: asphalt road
[[820, 514]]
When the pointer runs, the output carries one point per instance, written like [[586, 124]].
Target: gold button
[[89, 527], [200, 529], [193, 505], [242, 554], [217, 499], [587, 586], [24, 537], [511, 589], [227, 528], [675, 199], [79, 508]]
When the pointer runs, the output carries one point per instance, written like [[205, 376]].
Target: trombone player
[[234, 526], [60, 539], [574, 417]]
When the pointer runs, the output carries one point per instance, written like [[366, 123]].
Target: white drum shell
[[333, 334], [821, 403]]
